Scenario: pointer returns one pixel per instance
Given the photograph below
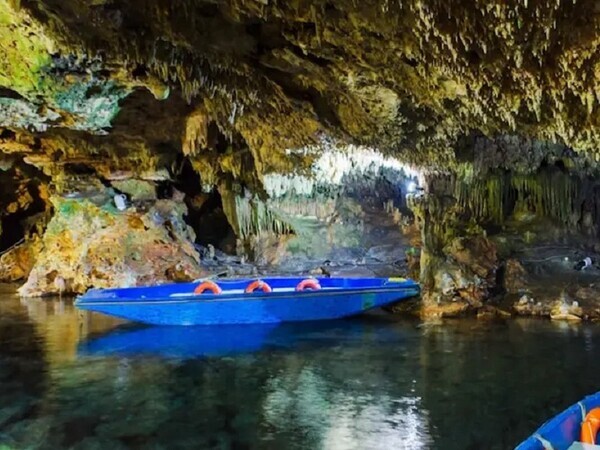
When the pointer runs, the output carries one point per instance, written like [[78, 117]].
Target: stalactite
[[255, 217], [555, 195]]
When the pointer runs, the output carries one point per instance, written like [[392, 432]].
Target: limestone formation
[[87, 245], [242, 118]]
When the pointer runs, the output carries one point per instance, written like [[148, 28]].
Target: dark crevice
[[187, 179], [16, 226], [560, 165], [93, 91], [319, 61], [8, 134], [37, 144], [222, 144], [212, 226], [319, 102], [79, 169], [9, 93], [12, 231], [410, 61], [473, 57], [164, 190], [268, 36], [140, 71], [205, 211]]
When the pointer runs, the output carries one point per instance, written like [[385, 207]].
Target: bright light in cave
[[332, 164]]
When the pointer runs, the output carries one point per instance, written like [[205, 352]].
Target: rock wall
[[510, 240], [87, 244], [224, 107]]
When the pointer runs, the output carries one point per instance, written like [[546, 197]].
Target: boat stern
[[395, 290]]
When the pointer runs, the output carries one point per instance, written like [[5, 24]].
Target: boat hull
[[273, 307], [563, 430], [265, 310]]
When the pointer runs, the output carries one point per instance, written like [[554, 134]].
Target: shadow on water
[[85, 381]]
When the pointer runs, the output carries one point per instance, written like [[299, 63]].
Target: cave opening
[[212, 226], [16, 226], [13, 232], [205, 215]]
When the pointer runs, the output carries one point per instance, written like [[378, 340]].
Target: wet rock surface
[[89, 245], [515, 277], [525, 245], [17, 262]]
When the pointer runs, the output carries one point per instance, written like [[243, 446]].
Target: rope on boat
[[547, 445], [583, 410]]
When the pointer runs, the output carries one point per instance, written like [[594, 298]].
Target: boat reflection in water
[[179, 342], [211, 340], [273, 382]]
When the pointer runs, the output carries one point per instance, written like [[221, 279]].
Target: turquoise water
[[75, 380]]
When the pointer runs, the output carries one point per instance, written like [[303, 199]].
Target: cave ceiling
[[128, 85]]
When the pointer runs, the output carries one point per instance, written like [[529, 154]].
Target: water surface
[[81, 380]]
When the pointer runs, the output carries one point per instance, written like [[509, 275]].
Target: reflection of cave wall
[[23, 368], [456, 368]]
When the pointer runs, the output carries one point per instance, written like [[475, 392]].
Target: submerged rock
[[86, 246], [492, 313]]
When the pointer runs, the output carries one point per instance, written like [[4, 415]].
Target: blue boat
[[247, 301], [563, 431]]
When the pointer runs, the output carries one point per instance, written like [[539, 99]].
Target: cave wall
[[407, 77], [197, 100], [481, 224]]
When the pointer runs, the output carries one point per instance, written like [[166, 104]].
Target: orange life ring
[[207, 286], [258, 284], [590, 426], [309, 283]]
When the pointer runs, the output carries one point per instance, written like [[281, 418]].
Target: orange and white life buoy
[[309, 283], [258, 284], [590, 426], [207, 286]]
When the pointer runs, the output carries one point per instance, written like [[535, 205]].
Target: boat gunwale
[[257, 296]]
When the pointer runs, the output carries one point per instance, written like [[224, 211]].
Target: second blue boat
[[576, 428], [247, 301]]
